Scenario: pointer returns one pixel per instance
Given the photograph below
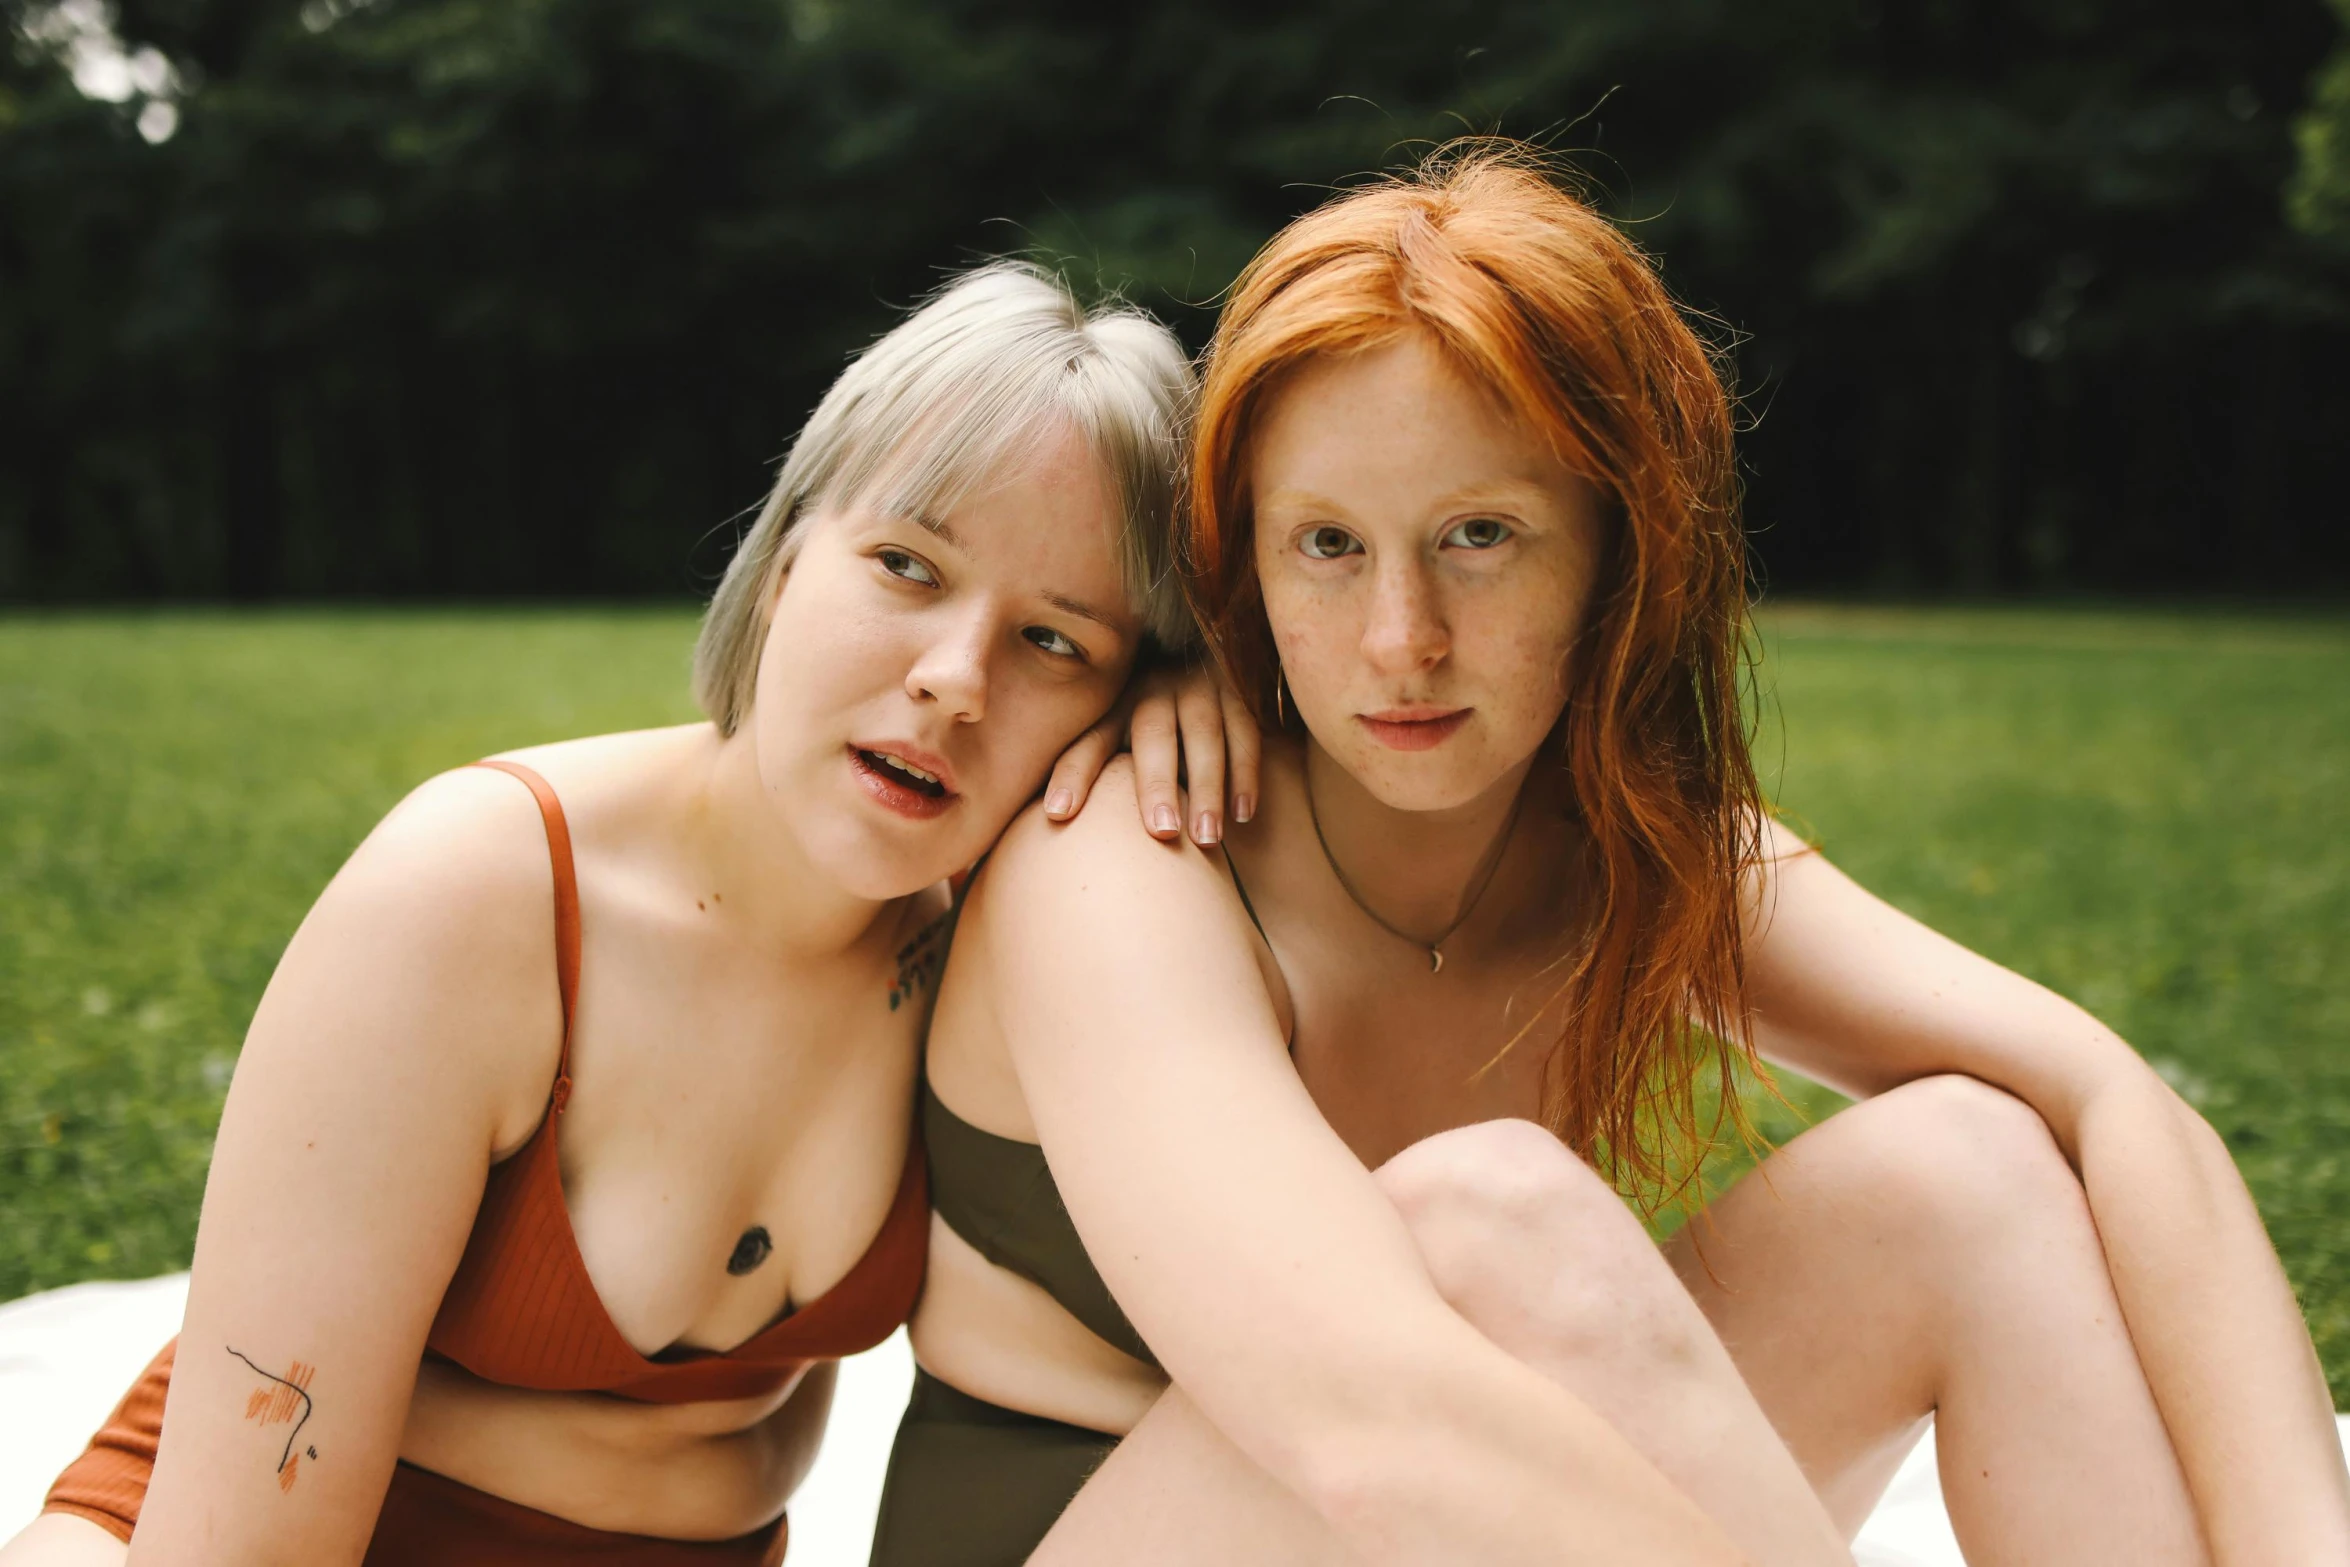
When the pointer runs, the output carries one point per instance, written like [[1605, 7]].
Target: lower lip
[[1422, 735], [894, 795]]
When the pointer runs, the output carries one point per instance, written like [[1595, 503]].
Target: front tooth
[[909, 768]]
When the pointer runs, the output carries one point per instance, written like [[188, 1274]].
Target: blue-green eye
[[1478, 533], [909, 566], [1329, 542], [1052, 642]]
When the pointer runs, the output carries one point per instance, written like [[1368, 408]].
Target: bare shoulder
[[1098, 892], [1103, 844], [464, 856], [435, 944], [1782, 858], [1779, 842], [468, 850]]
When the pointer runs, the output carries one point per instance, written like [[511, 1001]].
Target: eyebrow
[[1079, 608], [1305, 498], [936, 527], [1503, 492]]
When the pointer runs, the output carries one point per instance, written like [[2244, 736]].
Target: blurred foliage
[[505, 296], [2149, 812], [2320, 194]]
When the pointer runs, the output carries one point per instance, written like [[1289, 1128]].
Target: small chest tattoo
[[750, 1251], [920, 960]]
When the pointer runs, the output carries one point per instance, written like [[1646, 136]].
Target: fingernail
[[1163, 821], [1205, 831], [1244, 806], [1057, 803]]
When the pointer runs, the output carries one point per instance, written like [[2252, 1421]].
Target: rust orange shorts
[[428, 1520]]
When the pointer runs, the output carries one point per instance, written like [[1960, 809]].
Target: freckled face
[[919, 679], [1427, 565]]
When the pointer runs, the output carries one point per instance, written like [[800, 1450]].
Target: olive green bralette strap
[[1232, 865]]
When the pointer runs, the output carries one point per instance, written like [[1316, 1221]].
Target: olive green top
[[998, 1194]]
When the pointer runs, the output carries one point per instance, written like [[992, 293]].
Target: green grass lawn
[[2150, 812]]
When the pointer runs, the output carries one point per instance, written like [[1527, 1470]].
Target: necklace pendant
[[1435, 961]]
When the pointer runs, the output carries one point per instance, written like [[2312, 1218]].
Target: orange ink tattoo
[[286, 1398]]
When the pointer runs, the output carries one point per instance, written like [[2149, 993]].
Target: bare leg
[[63, 1540], [1931, 1251], [1176, 1491], [1530, 1246], [1546, 1260]]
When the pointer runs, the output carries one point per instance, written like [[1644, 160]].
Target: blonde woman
[[573, 1138]]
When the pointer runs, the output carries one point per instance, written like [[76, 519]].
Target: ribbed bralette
[[998, 1194], [522, 1311]]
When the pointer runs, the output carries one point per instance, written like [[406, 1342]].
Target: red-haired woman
[[1464, 530]]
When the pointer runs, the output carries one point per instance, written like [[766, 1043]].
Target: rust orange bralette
[[522, 1310]]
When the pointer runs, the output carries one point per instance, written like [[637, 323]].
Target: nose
[[952, 669], [1405, 632]]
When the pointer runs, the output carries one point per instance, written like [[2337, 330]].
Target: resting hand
[[1176, 719]]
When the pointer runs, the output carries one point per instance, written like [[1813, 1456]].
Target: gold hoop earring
[[1280, 714]]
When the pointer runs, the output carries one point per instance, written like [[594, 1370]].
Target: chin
[[870, 860], [1434, 782], [1420, 789], [884, 865], [872, 872]]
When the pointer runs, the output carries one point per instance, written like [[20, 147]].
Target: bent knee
[[1510, 1168], [1951, 1117], [1531, 1245], [1503, 1187], [1955, 1154]]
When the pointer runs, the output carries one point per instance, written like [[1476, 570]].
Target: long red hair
[[1554, 311]]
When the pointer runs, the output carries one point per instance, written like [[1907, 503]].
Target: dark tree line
[[524, 296]]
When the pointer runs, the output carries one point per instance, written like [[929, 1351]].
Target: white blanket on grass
[[67, 1355]]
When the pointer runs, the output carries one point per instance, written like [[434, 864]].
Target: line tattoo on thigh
[[286, 1398]]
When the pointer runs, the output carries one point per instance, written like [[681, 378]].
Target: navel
[[750, 1251]]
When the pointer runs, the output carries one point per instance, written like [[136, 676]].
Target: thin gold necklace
[[1468, 905]]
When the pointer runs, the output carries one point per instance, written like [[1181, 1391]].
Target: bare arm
[[1248, 1244], [1857, 994], [396, 1047]]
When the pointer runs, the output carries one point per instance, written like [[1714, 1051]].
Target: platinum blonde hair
[[995, 362]]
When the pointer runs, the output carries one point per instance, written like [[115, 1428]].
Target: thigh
[[1798, 1269], [1176, 1492]]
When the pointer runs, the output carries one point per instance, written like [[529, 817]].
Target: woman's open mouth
[[902, 783]]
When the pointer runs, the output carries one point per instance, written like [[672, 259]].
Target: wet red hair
[[1560, 317]]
